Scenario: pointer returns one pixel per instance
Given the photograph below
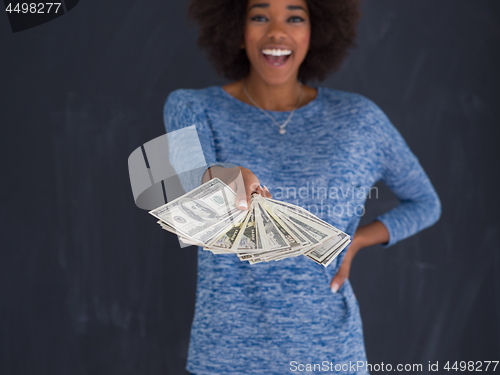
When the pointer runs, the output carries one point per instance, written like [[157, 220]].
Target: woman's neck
[[280, 97], [283, 97]]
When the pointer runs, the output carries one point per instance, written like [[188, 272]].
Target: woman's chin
[[276, 78]]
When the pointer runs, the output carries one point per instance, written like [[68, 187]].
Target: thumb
[[241, 194], [246, 184]]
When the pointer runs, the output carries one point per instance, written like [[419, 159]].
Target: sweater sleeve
[[401, 171], [190, 140]]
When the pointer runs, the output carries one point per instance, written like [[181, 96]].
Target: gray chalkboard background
[[88, 282]]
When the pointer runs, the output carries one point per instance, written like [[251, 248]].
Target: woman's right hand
[[242, 180]]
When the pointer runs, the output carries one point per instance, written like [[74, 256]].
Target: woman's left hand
[[345, 268], [366, 235]]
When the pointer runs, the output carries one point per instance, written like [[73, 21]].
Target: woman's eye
[[257, 18], [294, 19]]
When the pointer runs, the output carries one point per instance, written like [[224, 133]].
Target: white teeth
[[276, 52]]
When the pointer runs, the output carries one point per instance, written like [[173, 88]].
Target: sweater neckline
[[306, 107]]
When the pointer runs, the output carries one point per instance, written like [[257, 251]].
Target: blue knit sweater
[[277, 317]]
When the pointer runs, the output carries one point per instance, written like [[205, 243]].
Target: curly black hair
[[222, 23]]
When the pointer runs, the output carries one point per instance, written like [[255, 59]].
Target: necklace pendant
[[282, 131]]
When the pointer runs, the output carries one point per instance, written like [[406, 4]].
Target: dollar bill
[[202, 213], [269, 230], [274, 237], [284, 207], [249, 241], [229, 238], [326, 262], [321, 252]]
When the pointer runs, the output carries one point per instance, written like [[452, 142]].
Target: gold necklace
[[282, 126]]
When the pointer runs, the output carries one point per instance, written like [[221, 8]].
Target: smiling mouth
[[276, 60]]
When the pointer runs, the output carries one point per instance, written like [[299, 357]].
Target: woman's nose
[[276, 31]]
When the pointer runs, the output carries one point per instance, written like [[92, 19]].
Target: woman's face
[[277, 27]]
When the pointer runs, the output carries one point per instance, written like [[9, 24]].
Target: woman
[[318, 148]]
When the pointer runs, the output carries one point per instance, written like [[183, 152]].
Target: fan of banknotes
[[269, 230]]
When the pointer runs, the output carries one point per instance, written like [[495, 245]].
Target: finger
[[339, 279], [251, 188], [241, 195], [247, 184], [262, 192], [337, 282], [267, 193]]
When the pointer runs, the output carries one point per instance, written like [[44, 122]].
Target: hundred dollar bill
[[288, 207], [183, 239], [321, 252], [248, 240], [314, 233], [326, 262], [305, 226], [203, 213], [230, 237], [291, 228], [287, 234], [275, 239], [261, 231], [269, 243], [268, 230]]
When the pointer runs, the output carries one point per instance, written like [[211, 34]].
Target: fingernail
[[265, 187], [243, 203], [335, 287]]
